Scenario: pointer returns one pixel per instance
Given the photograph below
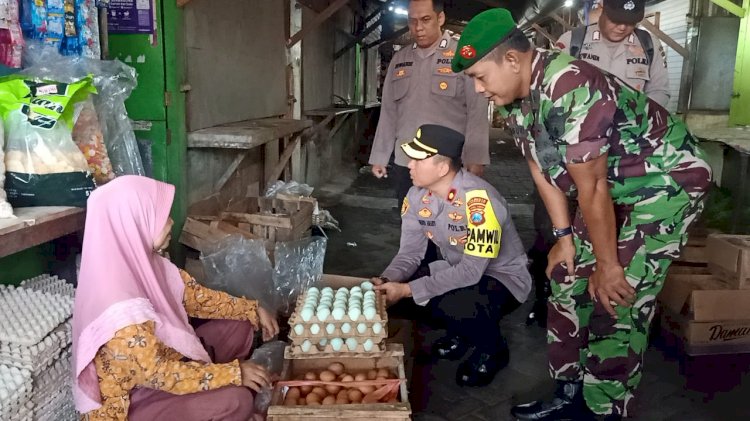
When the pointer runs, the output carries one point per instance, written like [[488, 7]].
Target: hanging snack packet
[[44, 167], [87, 134]]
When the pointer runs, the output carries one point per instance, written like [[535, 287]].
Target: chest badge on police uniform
[[400, 72], [443, 44], [455, 216], [443, 86], [426, 199], [444, 70], [458, 203], [425, 213], [448, 53]]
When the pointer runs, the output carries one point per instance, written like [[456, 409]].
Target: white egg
[[323, 313], [299, 329], [368, 344], [336, 344], [361, 328], [306, 346], [377, 328], [366, 286], [355, 290], [369, 313], [368, 305], [323, 342], [338, 313], [354, 313], [327, 290], [313, 290], [325, 300], [330, 328], [352, 343], [342, 290], [306, 314], [315, 328], [346, 328]]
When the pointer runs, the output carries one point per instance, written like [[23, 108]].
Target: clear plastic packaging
[[271, 356], [87, 135], [291, 188], [299, 265], [6, 211], [114, 82], [240, 267]]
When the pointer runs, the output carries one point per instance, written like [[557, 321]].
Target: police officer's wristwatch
[[561, 232]]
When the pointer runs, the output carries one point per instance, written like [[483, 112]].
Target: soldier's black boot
[[537, 268], [450, 348], [567, 404], [481, 367]]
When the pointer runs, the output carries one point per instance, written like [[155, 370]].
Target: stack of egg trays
[[321, 345], [29, 316], [39, 356], [15, 394], [49, 284], [52, 395]]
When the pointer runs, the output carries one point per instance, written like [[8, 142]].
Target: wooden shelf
[[38, 225], [737, 138], [247, 134], [325, 112]]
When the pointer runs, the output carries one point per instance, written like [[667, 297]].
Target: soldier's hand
[[379, 171], [476, 169], [394, 291], [564, 251], [608, 286]]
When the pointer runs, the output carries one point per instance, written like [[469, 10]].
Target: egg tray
[[50, 383], [39, 356], [50, 285], [30, 315], [338, 333], [15, 391], [316, 351], [380, 315]]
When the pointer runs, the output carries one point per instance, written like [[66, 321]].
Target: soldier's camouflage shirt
[[576, 112]]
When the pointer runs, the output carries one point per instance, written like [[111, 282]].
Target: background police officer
[[420, 88], [613, 43], [482, 275]]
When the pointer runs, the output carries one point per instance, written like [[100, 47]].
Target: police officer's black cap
[[432, 140], [625, 11]]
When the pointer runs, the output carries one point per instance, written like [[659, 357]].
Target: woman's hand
[[564, 251], [254, 376], [608, 285], [268, 324]]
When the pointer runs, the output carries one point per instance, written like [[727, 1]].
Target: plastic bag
[[299, 265], [240, 267], [114, 81], [291, 188], [44, 167], [6, 211], [87, 134], [271, 356]]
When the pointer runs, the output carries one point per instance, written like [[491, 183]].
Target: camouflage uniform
[[658, 177]]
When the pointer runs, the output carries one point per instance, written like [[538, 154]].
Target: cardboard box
[[392, 359], [708, 316], [729, 258]]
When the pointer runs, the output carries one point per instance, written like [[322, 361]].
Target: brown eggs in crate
[[334, 394]]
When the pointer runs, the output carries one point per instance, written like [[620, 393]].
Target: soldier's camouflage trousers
[[585, 342]]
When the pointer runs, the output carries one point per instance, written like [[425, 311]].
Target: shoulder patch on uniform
[[484, 230], [596, 36], [405, 206]]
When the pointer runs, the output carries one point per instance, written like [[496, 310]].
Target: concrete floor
[[673, 387]]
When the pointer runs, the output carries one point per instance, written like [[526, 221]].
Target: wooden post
[[664, 37], [322, 17]]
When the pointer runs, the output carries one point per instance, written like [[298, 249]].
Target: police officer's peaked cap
[[484, 32], [432, 140], [625, 11]]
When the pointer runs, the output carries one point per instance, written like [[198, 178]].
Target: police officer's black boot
[[450, 348], [481, 367], [567, 404]]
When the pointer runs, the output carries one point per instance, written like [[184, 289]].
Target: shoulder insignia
[[484, 230], [405, 206]]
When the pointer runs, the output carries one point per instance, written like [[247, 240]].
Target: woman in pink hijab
[[135, 356]]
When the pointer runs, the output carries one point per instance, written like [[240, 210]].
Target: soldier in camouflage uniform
[[639, 177]]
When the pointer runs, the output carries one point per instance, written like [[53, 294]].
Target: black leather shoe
[[567, 404], [538, 314], [450, 348], [480, 368]]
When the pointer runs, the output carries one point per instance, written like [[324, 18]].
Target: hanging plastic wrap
[[6, 211], [291, 188], [271, 356], [240, 267], [114, 82], [299, 265]]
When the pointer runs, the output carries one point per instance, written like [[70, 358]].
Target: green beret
[[484, 32]]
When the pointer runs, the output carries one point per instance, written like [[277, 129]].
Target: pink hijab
[[123, 281]]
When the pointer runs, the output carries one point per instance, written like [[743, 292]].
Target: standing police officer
[[640, 179], [615, 44], [483, 274], [420, 88]]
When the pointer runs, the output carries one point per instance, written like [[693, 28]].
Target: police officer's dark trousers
[[472, 313]]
